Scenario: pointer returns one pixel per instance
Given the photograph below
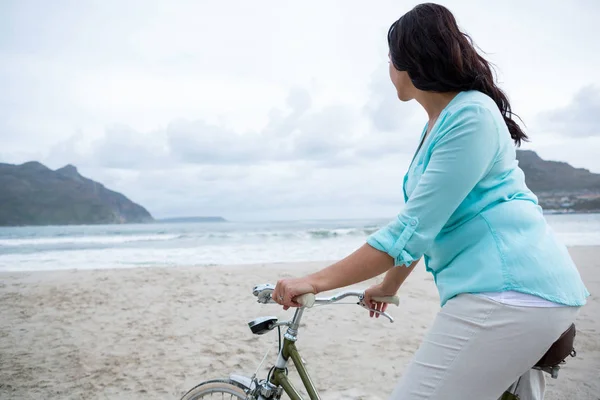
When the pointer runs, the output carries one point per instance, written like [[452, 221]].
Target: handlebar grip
[[388, 299], [306, 300]]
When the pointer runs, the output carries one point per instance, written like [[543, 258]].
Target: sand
[[153, 333]]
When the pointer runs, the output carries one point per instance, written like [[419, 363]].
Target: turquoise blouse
[[469, 213]]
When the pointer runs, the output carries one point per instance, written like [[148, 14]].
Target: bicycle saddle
[[558, 352]]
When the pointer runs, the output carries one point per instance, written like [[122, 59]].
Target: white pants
[[477, 348]]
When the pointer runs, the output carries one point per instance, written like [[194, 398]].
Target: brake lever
[[388, 316], [264, 293]]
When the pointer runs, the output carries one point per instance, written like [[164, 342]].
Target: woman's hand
[[379, 290], [287, 290]]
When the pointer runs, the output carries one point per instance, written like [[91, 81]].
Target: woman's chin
[[404, 98]]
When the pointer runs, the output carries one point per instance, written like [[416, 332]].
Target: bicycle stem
[[292, 331]]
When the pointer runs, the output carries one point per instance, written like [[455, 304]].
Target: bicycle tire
[[225, 387]]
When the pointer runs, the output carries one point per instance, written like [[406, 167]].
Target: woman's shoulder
[[473, 118], [470, 100], [470, 107]]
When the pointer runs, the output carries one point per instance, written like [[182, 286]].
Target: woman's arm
[[395, 277], [365, 263]]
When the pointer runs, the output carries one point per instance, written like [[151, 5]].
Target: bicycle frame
[[290, 351], [279, 377]]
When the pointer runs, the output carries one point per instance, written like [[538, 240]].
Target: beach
[[155, 332]]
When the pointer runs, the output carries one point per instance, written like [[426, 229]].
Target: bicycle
[[277, 381]]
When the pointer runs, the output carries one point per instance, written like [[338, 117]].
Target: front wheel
[[226, 388]]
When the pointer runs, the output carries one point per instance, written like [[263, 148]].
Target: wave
[[316, 233], [62, 240], [97, 240], [332, 233]]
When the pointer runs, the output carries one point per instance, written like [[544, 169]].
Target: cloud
[[385, 111], [306, 159], [395, 126], [310, 159], [580, 118], [198, 142], [119, 147], [299, 99], [298, 131], [123, 147], [271, 190]]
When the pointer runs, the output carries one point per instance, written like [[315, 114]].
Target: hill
[[33, 194], [560, 186], [555, 176]]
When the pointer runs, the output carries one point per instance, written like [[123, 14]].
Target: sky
[[269, 110]]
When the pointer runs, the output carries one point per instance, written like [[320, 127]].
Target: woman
[[508, 288]]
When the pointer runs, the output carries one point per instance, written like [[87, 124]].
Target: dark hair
[[427, 43]]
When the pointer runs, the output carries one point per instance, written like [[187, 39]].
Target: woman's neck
[[434, 103]]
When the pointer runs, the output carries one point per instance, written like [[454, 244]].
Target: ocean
[[221, 243]]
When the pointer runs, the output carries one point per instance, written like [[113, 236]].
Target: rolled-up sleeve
[[463, 152]]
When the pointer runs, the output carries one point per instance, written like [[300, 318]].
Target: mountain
[[33, 194], [554, 176], [558, 185]]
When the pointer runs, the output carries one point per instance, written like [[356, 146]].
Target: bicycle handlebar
[[309, 299], [264, 293]]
